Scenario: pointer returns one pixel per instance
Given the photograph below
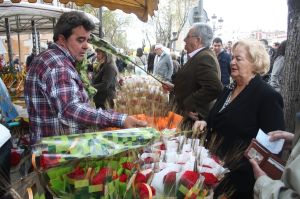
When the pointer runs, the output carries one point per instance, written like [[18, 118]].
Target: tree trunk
[[291, 85]]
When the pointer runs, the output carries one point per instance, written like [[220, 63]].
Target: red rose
[[210, 179], [140, 178], [15, 158], [49, 160], [170, 178], [78, 173], [123, 178], [144, 192], [170, 183], [189, 178], [101, 176], [127, 165], [162, 147]]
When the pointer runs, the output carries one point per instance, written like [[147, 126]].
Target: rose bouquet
[[52, 151], [92, 165], [183, 168]]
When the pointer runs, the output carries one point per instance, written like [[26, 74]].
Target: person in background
[[121, 65], [229, 48], [150, 60], [275, 46], [56, 100], [183, 57], [176, 65], [105, 80], [141, 61], [2, 62], [271, 53], [245, 106], [224, 60], [277, 71], [289, 184], [17, 65], [29, 60], [163, 66], [16, 60], [198, 83]]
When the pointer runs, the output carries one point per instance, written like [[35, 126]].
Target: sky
[[247, 15], [238, 16]]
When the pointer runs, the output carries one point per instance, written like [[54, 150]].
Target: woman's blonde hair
[[257, 54]]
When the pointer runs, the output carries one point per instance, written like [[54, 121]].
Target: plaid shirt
[[56, 100]]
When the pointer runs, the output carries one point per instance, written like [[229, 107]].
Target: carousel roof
[[141, 8], [20, 15]]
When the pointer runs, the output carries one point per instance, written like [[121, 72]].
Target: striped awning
[[141, 8]]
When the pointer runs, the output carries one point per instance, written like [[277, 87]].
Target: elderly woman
[[105, 80], [245, 106]]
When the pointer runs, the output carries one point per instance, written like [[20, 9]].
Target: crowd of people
[[215, 88]]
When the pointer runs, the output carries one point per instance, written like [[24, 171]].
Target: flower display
[[131, 163], [185, 168]]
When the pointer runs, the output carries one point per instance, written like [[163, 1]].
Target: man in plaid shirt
[[56, 100]]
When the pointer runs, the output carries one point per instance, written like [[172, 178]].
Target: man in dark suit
[[198, 82], [224, 60]]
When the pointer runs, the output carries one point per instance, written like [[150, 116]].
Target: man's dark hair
[[264, 41], [139, 52], [281, 49], [70, 20], [217, 40]]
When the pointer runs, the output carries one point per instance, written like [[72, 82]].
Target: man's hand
[[199, 126], [167, 86], [256, 169], [194, 116], [131, 122], [276, 135]]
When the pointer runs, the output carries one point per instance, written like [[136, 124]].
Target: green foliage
[[114, 28]]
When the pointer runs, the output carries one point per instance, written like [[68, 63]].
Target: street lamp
[[217, 23], [214, 21], [221, 20]]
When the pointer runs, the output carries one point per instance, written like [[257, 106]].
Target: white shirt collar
[[195, 52]]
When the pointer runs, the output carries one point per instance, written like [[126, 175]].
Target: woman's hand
[[199, 126], [131, 122], [276, 135], [256, 169]]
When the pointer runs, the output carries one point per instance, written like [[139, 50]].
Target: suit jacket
[[198, 84], [258, 106], [105, 83], [224, 62]]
